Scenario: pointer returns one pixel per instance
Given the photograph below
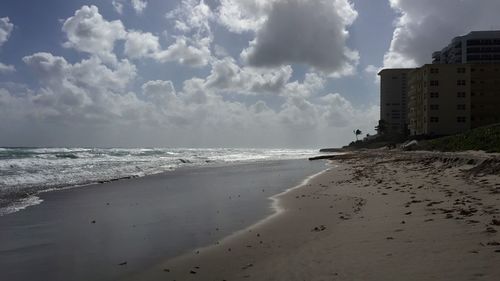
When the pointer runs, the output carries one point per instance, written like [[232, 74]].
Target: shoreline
[[346, 208], [34, 199], [114, 230], [277, 211]]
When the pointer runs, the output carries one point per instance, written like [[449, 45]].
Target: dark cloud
[[307, 32]]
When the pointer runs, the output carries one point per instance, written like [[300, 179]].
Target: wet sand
[[372, 216], [108, 231]]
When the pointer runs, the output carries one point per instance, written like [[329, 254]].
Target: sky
[[213, 73]]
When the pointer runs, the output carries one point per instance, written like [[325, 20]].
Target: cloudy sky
[[213, 73]]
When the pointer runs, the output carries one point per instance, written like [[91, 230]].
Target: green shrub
[[483, 138]]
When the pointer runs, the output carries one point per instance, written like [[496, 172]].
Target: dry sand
[[372, 216]]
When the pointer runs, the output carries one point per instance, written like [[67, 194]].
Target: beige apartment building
[[393, 99], [446, 99]]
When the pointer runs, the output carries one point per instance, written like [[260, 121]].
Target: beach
[[120, 228], [374, 215]]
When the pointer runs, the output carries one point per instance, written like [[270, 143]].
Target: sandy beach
[[371, 216]]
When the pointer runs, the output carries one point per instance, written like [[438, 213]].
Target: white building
[[475, 47]]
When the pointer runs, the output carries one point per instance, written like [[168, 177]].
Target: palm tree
[[357, 132], [381, 128]]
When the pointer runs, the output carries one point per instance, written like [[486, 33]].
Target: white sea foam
[[27, 171], [20, 204]]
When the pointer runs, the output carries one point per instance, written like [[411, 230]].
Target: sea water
[[25, 172]]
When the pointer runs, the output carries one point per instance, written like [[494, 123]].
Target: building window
[[461, 119], [434, 106], [434, 119], [461, 82], [461, 95], [434, 95], [461, 70], [460, 106], [434, 70], [434, 83]]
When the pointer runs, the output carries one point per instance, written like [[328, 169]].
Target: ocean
[[26, 172], [89, 232]]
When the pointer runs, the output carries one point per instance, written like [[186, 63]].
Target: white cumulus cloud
[[87, 31], [6, 28], [139, 5], [426, 26], [195, 53], [243, 15], [141, 44], [192, 15], [81, 92]]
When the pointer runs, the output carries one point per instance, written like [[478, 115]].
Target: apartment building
[[485, 94], [393, 99], [446, 99], [475, 47]]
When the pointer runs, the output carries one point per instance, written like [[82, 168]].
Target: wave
[[24, 172]]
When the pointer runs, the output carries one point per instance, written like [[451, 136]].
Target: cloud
[[227, 76], [81, 92], [160, 93], [92, 97], [427, 26], [87, 31], [118, 6], [372, 71], [192, 19], [192, 15], [183, 51], [5, 68], [96, 101], [6, 28], [306, 32], [243, 15], [141, 44], [313, 83], [139, 5], [186, 51]]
